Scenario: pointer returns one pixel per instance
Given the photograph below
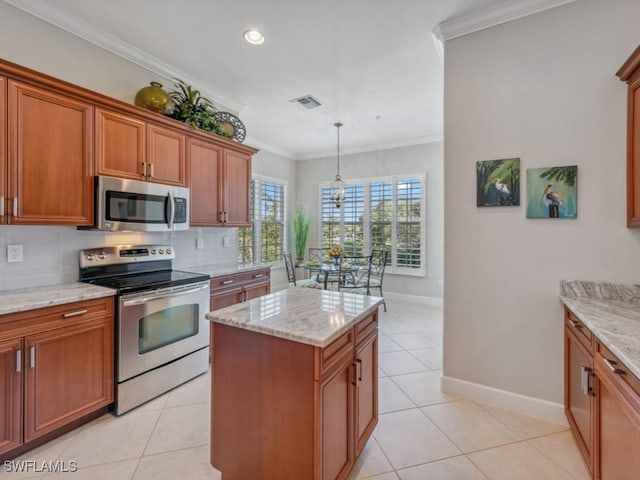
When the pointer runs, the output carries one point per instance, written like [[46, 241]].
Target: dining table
[[330, 272]]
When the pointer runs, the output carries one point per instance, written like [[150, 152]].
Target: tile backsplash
[[51, 254]]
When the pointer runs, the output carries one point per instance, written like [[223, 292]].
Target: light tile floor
[[423, 434]]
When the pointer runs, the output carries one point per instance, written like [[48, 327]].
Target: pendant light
[[338, 185]]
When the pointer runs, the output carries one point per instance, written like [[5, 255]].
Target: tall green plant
[[301, 225]]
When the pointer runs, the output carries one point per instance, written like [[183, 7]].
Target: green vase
[[154, 98]]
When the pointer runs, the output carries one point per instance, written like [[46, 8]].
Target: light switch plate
[[14, 253], [225, 241], [199, 243]]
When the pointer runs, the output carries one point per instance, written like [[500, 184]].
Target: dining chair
[[319, 255], [355, 272], [291, 274], [379, 260]]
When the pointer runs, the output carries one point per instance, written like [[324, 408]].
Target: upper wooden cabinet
[[630, 73], [219, 182], [128, 147], [50, 157]]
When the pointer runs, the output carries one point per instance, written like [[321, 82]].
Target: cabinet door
[[204, 161], [256, 290], [120, 145], [579, 398], [69, 373], [3, 147], [618, 424], [166, 156], [10, 395], [50, 165], [335, 423], [366, 394], [633, 154], [237, 178], [226, 298]]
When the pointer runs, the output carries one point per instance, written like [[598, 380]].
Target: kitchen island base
[[286, 410]]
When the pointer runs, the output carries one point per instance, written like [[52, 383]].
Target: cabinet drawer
[[242, 278], [365, 327], [579, 329], [43, 319], [607, 363], [328, 357]]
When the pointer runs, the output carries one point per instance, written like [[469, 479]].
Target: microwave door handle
[[172, 209]]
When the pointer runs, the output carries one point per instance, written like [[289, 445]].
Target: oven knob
[[153, 251], [89, 258], [102, 255], [168, 251], [161, 251]]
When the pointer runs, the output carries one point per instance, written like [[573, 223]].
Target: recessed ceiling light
[[254, 37]]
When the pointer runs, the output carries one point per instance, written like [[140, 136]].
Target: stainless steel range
[[162, 337]]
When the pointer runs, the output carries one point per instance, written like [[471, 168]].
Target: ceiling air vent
[[307, 102]]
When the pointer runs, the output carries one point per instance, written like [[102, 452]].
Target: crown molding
[[374, 148], [263, 146], [50, 14], [491, 16]]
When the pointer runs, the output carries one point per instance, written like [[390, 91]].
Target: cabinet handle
[[258, 275], [585, 380], [32, 356], [611, 366], [151, 170], [354, 380], [244, 296], [144, 169], [359, 362], [226, 217], [221, 217], [1, 205], [74, 314], [19, 360], [575, 324], [226, 282], [15, 206]]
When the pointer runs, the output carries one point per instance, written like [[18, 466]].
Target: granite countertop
[[12, 301], [215, 270], [612, 313], [306, 315]]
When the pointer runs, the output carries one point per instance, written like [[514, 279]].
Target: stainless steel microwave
[[123, 204]]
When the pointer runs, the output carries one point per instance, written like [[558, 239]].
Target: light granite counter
[[305, 315], [12, 301], [611, 312], [225, 269]]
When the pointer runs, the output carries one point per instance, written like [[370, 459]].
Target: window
[[264, 240], [378, 213]]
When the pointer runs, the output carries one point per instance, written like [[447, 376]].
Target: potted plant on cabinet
[[192, 108], [301, 225]]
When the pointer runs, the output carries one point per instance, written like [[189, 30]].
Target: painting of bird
[[552, 200], [552, 192]]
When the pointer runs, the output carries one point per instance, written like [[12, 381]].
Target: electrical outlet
[[225, 241], [14, 253], [199, 243]]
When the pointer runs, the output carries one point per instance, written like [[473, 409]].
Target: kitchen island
[[294, 384]]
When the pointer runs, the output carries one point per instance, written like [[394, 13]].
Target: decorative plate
[[232, 126]]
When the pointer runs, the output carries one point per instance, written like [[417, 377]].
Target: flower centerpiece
[[336, 252]]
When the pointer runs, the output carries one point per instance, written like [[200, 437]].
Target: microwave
[[123, 204]]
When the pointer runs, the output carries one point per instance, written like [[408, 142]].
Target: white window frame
[[393, 267], [256, 221]]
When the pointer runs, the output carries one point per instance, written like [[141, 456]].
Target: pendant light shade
[[338, 185]]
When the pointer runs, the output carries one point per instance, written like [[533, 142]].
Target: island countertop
[[305, 315]]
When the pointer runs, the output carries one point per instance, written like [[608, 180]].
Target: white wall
[[542, 88], [426, 158]]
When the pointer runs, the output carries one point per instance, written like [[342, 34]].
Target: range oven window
[[167, 326], [135, 207]]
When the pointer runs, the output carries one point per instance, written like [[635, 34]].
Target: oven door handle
[[157, 296]]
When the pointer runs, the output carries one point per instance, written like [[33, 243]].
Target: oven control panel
[[95, 257]]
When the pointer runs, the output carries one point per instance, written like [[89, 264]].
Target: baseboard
[[437, 302], [530, 406]]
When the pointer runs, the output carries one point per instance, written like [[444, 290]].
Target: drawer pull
[[611, 366], [359, 362], [18, 361], [575, 324], [226, 282], [74, 314], [258, 275], [32, 356]]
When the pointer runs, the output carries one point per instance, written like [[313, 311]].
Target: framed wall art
[[498, 183], [552, 192]]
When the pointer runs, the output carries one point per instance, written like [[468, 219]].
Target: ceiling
[[373, 64]]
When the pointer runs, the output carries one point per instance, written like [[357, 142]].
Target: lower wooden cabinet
[[291, 411], [227, 290], [57, 369], [602, 404]]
